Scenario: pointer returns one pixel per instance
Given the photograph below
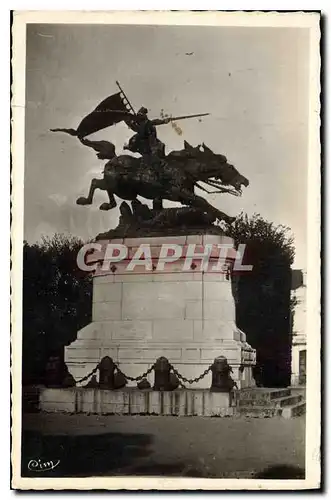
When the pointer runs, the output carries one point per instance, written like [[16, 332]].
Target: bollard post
[[106, 373], [221, 378], [162, 375], [54, 372]]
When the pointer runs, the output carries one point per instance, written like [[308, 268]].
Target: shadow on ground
[[281, 472], [117, 454], [82, 455], [186, 470]]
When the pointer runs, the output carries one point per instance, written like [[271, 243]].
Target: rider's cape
[[110, 111]]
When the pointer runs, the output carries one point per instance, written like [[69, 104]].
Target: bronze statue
[[155, 175]]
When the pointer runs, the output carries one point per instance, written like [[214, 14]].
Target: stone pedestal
[[199, 402], [188, 316]]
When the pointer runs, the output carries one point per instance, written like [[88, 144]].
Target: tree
[[57, 299], [263, 295]]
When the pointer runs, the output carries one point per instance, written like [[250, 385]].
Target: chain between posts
[[180, 377], [88, 375], [135, 379]]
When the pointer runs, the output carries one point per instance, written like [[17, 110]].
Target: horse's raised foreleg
[[98, 184], [95, 184]]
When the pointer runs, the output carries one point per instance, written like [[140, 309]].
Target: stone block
[[131, 330], [192, 403], [217, 291], [107, 292], [83, 353], [194, 238], [103, 279], [216, 330], [130, 277], [173, 277], [150, 354], [92, 331], [221, 311], [193, 309], [158, 308], [190, 354], [208, 355], [217, 404], [170, 330], [102, 311], [236, 334], [115, 401], [155, 402], [155, 241], [214, 239], [242, 335], [214, 277], [158, 300], [165, 406], [139, 401], [53, 400]]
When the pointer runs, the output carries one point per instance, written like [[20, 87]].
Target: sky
[[254, 81]]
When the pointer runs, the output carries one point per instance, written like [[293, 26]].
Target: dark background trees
[[57, 301], [263, 295]]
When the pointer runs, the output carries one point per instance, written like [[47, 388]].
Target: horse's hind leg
[[111, 204], [95, 184], [157, 204]]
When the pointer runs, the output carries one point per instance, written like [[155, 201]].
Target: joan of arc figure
[[145, 140]]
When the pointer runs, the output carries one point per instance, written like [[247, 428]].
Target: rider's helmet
[[142, 113]]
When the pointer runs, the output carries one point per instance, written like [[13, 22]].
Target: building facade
[[299, 341]]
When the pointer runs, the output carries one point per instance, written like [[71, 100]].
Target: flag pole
[[125, 97]]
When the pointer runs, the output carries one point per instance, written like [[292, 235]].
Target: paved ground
[[173, 446]]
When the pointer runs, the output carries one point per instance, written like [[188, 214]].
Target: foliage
[[56, 301], [263, 296], [263, 236]]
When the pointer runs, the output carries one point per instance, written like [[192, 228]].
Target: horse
[[172, 178]]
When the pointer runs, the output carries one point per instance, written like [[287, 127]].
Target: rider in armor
[[145, 140]]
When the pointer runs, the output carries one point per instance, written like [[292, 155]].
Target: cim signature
[[38, 465]]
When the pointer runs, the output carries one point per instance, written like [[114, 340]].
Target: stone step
[[30, 399], [273, 403], [294, 410], [263, 394], [258, 411]]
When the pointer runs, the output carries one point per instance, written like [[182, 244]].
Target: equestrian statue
[[155, 175]]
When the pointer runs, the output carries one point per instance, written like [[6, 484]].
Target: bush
[[263, 296], [57, 301]]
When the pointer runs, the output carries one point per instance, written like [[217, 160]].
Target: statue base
[[180, 402], [188, 316]]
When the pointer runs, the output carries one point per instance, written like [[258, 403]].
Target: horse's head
[[215, 166], [230, 176]]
